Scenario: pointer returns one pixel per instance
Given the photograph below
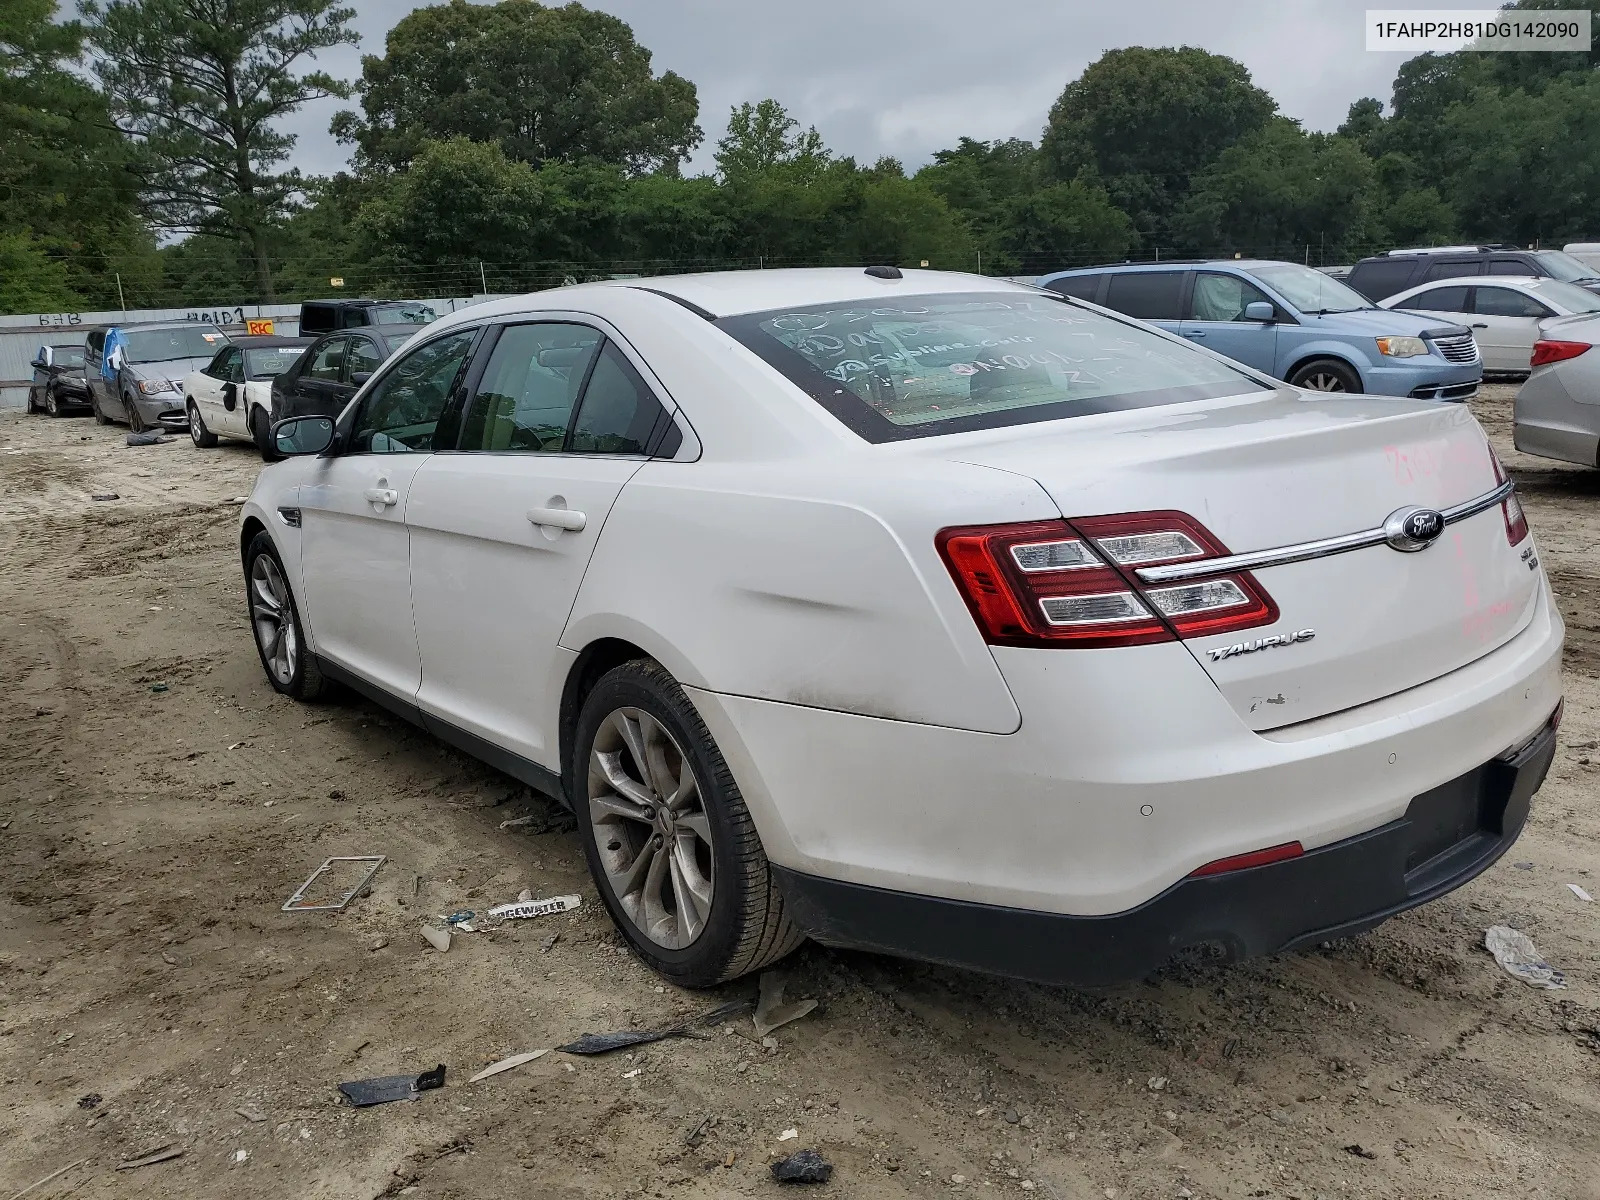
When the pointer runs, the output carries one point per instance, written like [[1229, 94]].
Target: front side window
[[363, 357], [164, 345], [924, 365], [524, 400], [1148, 295], [217, 368], [1223, 297], [403, 410], [327, 361], [1503, 302], [1445, 299], [233, 365]]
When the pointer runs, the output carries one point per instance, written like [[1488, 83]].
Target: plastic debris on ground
[[365, 1092], [803, 1166], [771, 1012], [602, 1043], [150, 1157], [439, 939], [521, 910], [505, 1064], [152, 438], [1580, 893], [1514, 950], [104, 496], [1359, 1151], [788, 1135]]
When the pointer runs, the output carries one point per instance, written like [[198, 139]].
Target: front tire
[[202, 437], [135, 417], [53, 405], [1326, 375], [670, 843], [275, 621], [261, 434]]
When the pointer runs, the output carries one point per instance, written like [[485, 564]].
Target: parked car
[[1337, 272], [330, 369], [136, 372], [1384, 275], [1588, 253], [1557, 411], [326, 316], [1504, 315], [1290, 321], [926, 613], [231, 396], [58, 385]]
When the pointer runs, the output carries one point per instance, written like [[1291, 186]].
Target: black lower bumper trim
[[1448, 836]]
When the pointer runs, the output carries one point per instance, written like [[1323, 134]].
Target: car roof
[[272, 341], [1216, 264], [161, 326], [352, 301], [733, 293]]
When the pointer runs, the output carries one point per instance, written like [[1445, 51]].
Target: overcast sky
[[908, 77]]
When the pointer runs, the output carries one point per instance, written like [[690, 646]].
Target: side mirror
[[1259, 310], [360, 377], [46, 359], [298, 436]]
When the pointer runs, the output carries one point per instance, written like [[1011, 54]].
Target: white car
[[926, 613], [1557, 412], [1504, 312], [231, 396]]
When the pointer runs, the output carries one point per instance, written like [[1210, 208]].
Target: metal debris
[[1580, 893], [771, 1012], [601, 1043], [293, 903]]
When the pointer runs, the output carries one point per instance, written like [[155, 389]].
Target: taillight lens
[[1511, 507], [1553, 351], [1071, 583], [1256, 858]]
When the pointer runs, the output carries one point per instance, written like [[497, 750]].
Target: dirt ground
[[158, 803]]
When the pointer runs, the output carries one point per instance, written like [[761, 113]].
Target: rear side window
[[1452, 269], [1148, 295], [316, 318], [618, 413], [1512, 266], [1084, 287], [1382, 277], [1442, 299], [924, 365]]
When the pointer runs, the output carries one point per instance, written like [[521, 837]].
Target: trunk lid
[[1266, 472]]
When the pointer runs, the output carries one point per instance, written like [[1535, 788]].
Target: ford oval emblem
[[1411, 529]]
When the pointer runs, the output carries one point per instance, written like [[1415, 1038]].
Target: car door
[[94, 352], [208, 390], [355, 556], [558, 421], [322, 378], [1216, 320], [235, 421], [1505, 323]]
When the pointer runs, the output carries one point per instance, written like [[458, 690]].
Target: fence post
[[483, 277]]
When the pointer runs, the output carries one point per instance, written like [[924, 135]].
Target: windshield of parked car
[[163, 345], [268, 363], [1309, 291], [1567, 296], [1563, 266], [916, 366], [400, 314], [67, 356]]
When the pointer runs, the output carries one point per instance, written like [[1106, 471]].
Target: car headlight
[[1402, 347], [154, 387]]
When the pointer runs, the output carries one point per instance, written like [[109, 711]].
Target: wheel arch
[[247, 533], [1338, 355], [593, 661]]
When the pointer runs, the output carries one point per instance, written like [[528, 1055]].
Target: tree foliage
[[197, 85], [545, 84]]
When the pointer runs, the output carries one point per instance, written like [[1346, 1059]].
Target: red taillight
[[1511, 507], [1256, 858], [1061, 583], [1552, 351]]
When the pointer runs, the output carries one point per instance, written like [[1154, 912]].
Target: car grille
[[1458, 347]]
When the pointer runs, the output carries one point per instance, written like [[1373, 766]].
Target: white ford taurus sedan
[[928, 614]]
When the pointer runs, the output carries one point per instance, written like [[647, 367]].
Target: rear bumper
[[1448, 835]]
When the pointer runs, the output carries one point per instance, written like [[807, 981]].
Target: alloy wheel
[[272, 615], [197, 430], [1324, 381], [651, 828]]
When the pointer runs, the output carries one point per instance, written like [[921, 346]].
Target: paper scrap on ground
[[505, 1064], [771, 1012], [439, 939], [1580, 893], [522, 909], [1514, 950]]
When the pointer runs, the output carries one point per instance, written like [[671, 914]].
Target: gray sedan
[[1558, 408]]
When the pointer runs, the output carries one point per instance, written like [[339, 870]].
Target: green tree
[[1067, 224], [1142, 121], [30, 279], [546, 84], [762, 136], [199, 84], [983, 183]]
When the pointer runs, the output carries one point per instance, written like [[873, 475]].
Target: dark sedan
[[58, 385], [332, 368]]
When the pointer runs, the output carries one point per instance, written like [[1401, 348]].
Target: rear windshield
[[163, 345], [924, 365], [267, 363]]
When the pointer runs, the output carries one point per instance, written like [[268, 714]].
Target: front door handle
[[1480, 325], [558, 518], [1194, 333], [383, 496]]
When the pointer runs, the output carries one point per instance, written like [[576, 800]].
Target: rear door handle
[[559, 518], [383, 496]]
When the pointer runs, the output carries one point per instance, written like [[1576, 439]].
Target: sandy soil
[[148, 838]]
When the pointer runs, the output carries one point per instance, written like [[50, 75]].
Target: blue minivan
[[1291, 322]]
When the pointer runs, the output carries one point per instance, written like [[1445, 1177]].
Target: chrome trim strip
[[1322, 548]]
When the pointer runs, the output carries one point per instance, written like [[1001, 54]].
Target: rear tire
[[202, 437], [1326, 375], [698, 899], [280, 638], [99, 417], [33, 407]]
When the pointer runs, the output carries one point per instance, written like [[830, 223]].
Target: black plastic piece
[[604, 1043], [364, 1092], [884, 272], [703, 314], [1449, 835], [806, 1166]]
